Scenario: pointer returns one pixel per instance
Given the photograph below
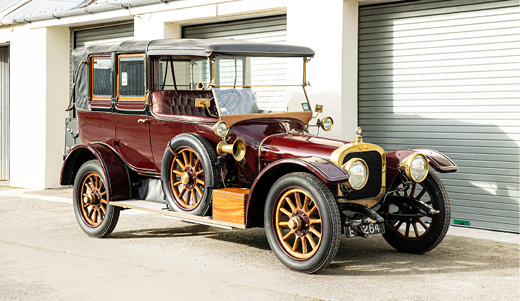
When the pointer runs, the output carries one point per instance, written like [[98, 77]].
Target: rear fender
[[114, 169], [437, 160], [327, 171]]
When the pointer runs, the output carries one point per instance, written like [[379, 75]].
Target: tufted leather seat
[[180, 102]]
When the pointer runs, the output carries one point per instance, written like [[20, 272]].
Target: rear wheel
[[90, 198], [420, 234], [302, 222]]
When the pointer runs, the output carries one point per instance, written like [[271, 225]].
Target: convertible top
[[180, 47], [196, 47]]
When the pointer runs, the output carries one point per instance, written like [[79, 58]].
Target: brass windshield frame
[[213, 85]]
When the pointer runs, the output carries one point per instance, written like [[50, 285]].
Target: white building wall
[[39, 91], [331, 31], [40, 54]]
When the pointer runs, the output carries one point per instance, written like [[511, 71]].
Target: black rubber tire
[[439, 222], [329, 214], [207, 156], [111, 215]]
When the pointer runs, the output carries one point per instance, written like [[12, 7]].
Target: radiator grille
[[375, 167]]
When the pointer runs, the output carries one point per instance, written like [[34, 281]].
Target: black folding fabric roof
[[198, 47]]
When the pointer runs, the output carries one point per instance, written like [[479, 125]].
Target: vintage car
[[217, 132]]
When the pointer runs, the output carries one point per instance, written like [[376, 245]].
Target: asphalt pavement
[[44, 255]]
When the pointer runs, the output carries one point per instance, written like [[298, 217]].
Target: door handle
[[142, 120]]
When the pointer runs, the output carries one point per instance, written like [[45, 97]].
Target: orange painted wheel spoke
[[289, 202], [306, 204], [298, 201], [198, 173], [199, 181], [286, 212], [180, 163], [177, 172], [315, 221], [103, 201], [288, 235], [177, 184], [199, 190], [191, 159], [185, 158], [103, 209], [311, 241], [407, 233], [188, 197], [195, 199], [315, 232], [311, 212], [295, 245], [181, 192], [283, 224], [196, 164], [304, 245]]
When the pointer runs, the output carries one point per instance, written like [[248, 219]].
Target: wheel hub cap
[[90, 199], [185, 178], [295, 223]]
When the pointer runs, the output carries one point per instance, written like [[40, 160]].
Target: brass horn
[[237, 149]]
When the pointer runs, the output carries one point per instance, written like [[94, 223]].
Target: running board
[[160, 208]]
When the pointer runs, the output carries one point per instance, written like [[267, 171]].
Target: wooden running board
[[160, 208]]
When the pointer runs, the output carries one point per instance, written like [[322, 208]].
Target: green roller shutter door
[[446, 75]]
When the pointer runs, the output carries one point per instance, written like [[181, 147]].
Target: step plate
[[160, 208]]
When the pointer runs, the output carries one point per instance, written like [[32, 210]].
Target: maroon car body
[[142, 130]]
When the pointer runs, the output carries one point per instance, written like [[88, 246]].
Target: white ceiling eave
[[92, 8]]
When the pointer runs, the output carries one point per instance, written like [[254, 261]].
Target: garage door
[[446, 75], [4, 113], [264, 70]]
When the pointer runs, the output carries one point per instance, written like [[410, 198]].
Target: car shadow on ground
[[361, 257]]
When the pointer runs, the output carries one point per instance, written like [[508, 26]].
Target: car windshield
[[256, 85]]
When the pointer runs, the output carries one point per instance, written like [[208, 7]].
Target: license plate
[[370, 229]]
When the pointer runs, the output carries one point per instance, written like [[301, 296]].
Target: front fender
[[327, 171], [114, 169], [437, 160]]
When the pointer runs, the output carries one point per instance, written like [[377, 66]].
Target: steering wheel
[[229, 101]]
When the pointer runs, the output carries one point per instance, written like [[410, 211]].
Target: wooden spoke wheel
[[298, 223], [187, 178], [188, 174], [302, 222], [422, 233], [91, 201]]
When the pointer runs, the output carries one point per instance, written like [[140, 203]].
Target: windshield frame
[[213, 85]]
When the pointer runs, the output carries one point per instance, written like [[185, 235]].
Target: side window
[[132, 80], [181, 74], [101, 92]]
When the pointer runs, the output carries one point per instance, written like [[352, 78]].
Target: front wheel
[[420, 234], [302, 222], [90, 198]]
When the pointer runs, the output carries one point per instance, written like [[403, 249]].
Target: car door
[[131, 120]]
